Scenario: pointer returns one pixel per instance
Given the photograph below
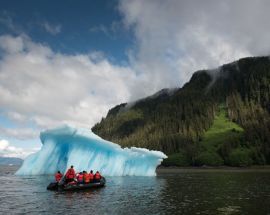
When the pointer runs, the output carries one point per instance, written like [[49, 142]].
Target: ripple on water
[[189, 193], [229, 210]]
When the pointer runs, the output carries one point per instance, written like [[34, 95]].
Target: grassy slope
[[223, 131]]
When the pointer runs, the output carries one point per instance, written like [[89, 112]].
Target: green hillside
[[214, 142], [217, 118], [222, 132]]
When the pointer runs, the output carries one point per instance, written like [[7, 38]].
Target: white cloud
[[19, 133], [99, 28], [3, 144], [175, 38], [116, 27], [7, 150], [46, 88], [7, 21], [11, 45], [51, 28]]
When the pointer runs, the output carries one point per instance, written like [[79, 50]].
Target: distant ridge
[[10, 161]]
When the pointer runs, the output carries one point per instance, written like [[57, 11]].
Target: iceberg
[[65, 146]]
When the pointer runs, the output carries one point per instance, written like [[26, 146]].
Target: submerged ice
[[66, 146]]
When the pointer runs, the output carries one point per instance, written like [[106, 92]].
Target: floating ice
[[66, 146]]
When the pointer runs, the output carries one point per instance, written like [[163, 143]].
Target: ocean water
[[187, 192]]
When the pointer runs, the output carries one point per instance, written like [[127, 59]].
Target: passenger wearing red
[[58, 176], [86, 178], [70, 175], [80, 178], [97, 176], [77, 176], [91, 176]]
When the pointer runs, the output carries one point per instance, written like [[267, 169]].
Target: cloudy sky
[[69, 62]]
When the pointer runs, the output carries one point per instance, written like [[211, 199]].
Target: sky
[[69, 62]]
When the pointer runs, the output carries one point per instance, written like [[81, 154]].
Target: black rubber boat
[[71, 187]]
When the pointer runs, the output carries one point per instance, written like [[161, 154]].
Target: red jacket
[[58, 177], [86, 178], [80, 178], [97, 176], [70, 174], [91, 176]]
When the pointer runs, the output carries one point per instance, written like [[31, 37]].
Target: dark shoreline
[[175, 169]]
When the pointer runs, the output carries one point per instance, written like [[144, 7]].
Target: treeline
[[176, 123], [167, 122], [249, 105]]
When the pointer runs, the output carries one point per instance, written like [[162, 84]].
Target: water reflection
[[217, 193], [184, 193]]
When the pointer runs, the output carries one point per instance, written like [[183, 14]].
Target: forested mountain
[[219, 117]]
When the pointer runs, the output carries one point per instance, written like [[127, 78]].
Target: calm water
[[171, 193]]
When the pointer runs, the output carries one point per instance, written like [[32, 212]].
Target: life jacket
[[97, 176], [86, 178], [58, 177], [70, 174], [80, 177], [91, 176]]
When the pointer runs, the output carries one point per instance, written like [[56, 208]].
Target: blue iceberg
[[66, 146]]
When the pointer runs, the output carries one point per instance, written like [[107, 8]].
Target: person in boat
[[86, 178], [70, 175], [77, 176], [80, 178], [58, 176], [97, 176], [91, 176]]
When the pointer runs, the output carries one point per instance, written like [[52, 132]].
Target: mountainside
[[10, 160], [219, 117]]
